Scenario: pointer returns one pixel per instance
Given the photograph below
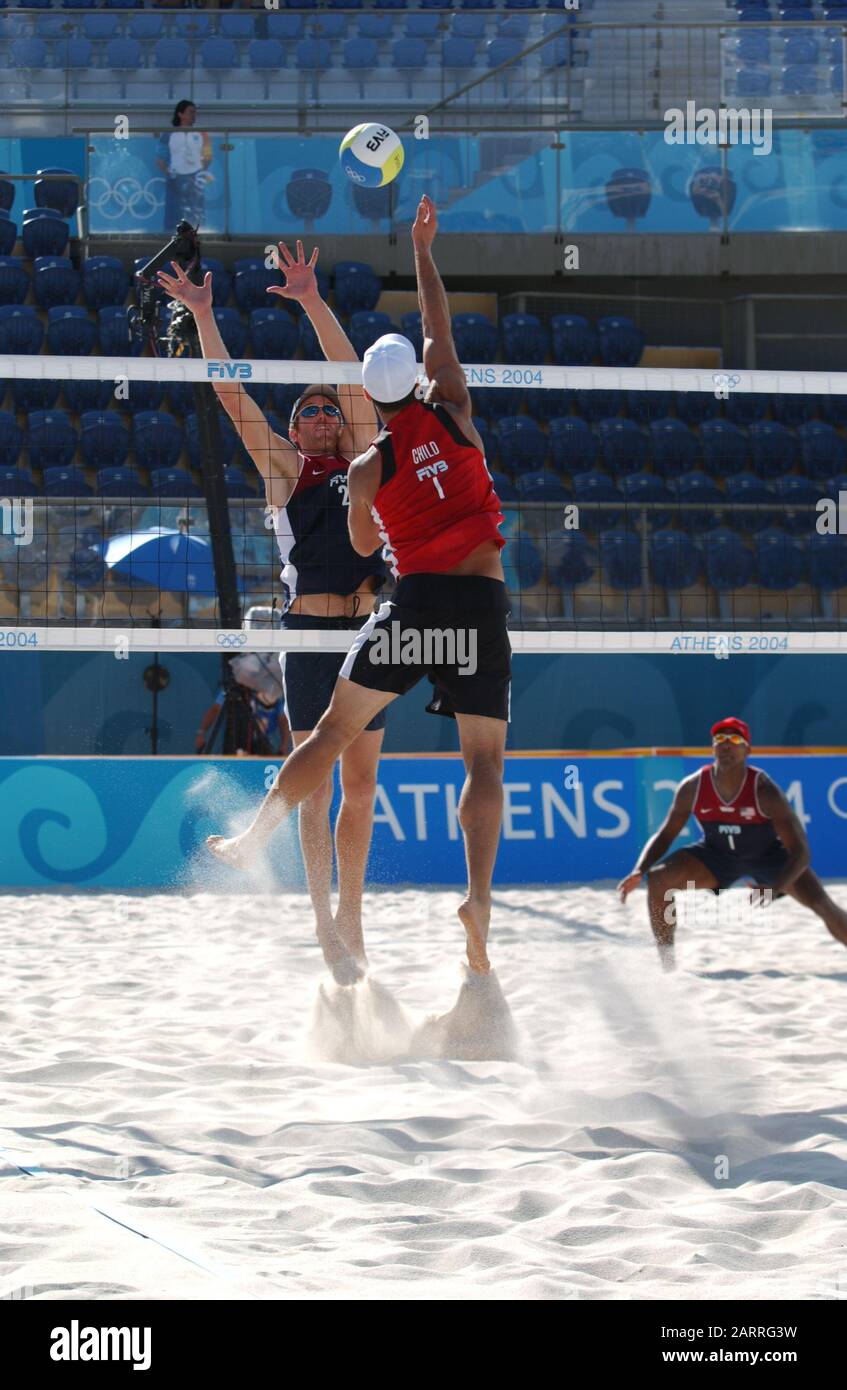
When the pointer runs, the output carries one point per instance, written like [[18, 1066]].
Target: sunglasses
[[310, 412], [728, 738]]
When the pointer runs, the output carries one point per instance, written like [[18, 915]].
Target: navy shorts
[[728, 868], [308, 678], [451, 628]]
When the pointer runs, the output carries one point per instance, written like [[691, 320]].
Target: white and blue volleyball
[[371, 155]]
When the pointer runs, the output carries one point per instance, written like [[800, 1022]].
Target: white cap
[[389, 368]]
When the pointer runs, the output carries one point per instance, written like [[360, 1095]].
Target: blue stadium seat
[[143, 396], [729, 564], [122, 55], [524, 339], [547, 404], [274, 333], [675, 561], [29, 54], [104, 439], [218, 55], [313, 55], [7, 193], [15, 482], [570, 559], [286, 28], [114, 334], [467, 26], [774, 448], [598, 405], [753, 82], [357, 287], [753, 47], [375, 26], [51, 438], [726, 449], [523, 563], [366, 326], [237, 484], [504, 487], [11, 441], [646, 487], [44, 232], [746, 488], [87, 395], [780, 559], [251, 281], [192, 25], [458, 54], [827, 560], [805, 494], [104, 281], [594, 486], [232, 330], [63, 481], [822, 449], [70, 331], [541, 486], [361, 56], [410, 54], [624, 446], [8, 234], [310, 348], [620, 558], [55, 281], [523, 445], [412, 328], [266, 55], [793, 409], [14, 281], [645, 406], [421, 26], [194, 444], [700, 488], [475, 337], [147, 27], [239, 27], [503, 50], [801, 49], [621, 341], [496, 401], [120, 482], [575, 341], [798, 80], [29, 394], [308, 194], [675, 449], [172, 55], [833, 409], [573, 445], [747, 406], [557, 53], [20, 329], [696, 406], [173, 482], [157, 440]]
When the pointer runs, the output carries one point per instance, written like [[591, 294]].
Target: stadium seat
[[798, 80], [251, 281], [366, 327], [237, 484], [458, 54], [81, 396], [575, 341], [172, 55], [624, 446], [822, 449], [308, 194], [412, 328], [14, 281], [409, 55], [44, 233], [30, 394], [232, 330], [773, 447], [26, 53], [753, 82], [598, 405], [193, 441], [218, 55], [51, 439], [496, 401], [570, 559], [833, 409], [805, 494], [21, 330], [747, 488], [639, 488], [267, 56], [70, 331], [104, 439], [313, 55], [375, 26], [746, 406], [143, 396], [157, 440], [146, 27], [15, 482], [696, 406], [122, 55], [780, 559], [467, 26], [791, 408], [286, 28], [524, 339], [421, 26], [596, 487], [8, 234], [475, 337], [523, 445], [113, 333], [11, 441], [63, 481], [104, 281], [726, 449], [675, 449], [541, 486], [504, 487], [7, 193], [729, 564], [675, 562], [558, 52], [310, 348], [547, 404], [239, 27], [621, 342], [173, 482], [700, 488], [121, 482], [360, 55], [620, 558], [55, 281], [827, 560], [273, 333], [644, 406], [357, 287], [523, 563], [573, 445]]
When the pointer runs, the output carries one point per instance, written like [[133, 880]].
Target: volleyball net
[[642, 502]]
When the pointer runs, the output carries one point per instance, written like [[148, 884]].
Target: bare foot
[[345, 969], [236, 852], [349, 928], [474, 918]]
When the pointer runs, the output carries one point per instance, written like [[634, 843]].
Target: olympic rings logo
[[125, 195], [231, 639], [724, 381]]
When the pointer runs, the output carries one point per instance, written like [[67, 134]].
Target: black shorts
[[308, 678], [447, 627], [728, 868]]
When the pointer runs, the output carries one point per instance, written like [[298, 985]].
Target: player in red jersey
[[750, 831], [423, 488]]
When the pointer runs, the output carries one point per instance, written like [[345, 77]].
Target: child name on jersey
[[429, 451]]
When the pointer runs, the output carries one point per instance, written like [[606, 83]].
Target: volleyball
[[371, 155]]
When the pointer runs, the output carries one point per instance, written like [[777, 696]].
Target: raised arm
[[301, 285], [441, 363], [658, 845], [275, 457]]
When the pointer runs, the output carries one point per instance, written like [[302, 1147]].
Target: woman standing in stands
[[184, 156]]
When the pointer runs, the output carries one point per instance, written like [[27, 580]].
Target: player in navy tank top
[[749, 832], [330, 586]]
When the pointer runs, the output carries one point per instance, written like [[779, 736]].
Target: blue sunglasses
[[309, 412]]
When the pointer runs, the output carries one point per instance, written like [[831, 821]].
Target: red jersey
[[436, 501], [739, 824]]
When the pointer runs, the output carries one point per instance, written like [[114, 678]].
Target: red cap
[[732, 725]]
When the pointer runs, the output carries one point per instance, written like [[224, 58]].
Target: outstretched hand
[[425, 224], [300, 278], [627, 884], [179, 287]]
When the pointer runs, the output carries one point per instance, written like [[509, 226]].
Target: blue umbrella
[[165, 559]]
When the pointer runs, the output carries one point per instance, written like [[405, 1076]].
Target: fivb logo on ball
[[371, 155]]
